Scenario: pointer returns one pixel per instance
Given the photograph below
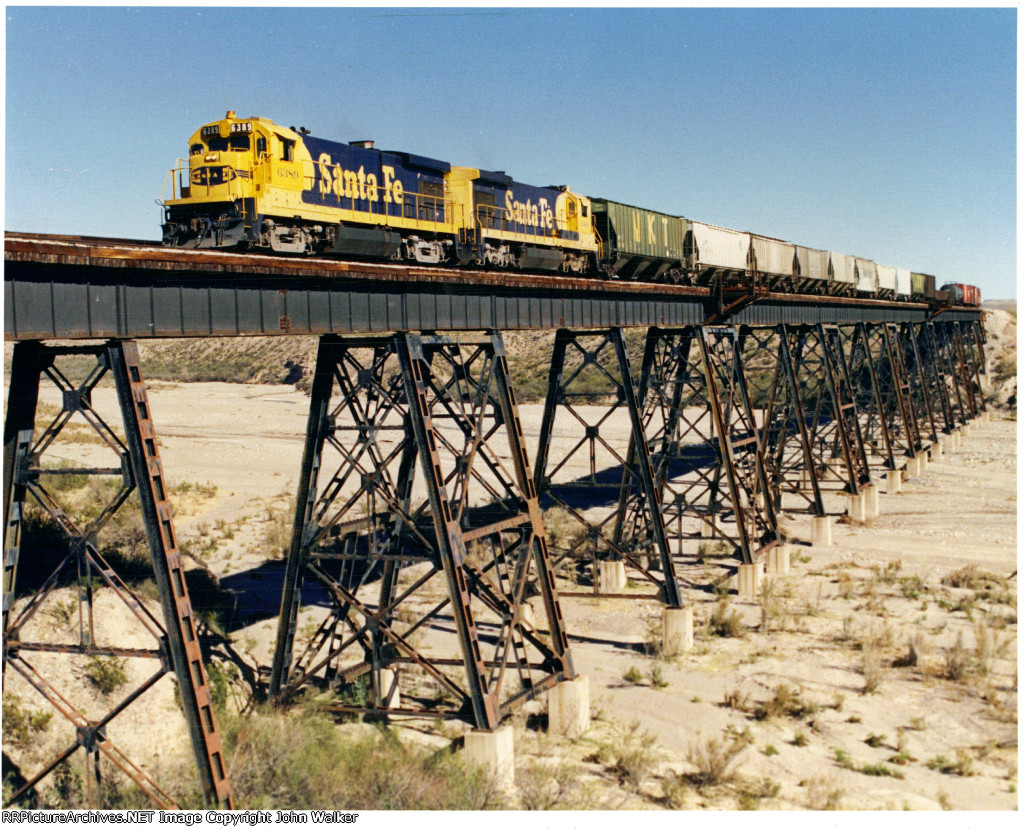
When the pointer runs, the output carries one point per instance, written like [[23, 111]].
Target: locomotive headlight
[[210, 157]]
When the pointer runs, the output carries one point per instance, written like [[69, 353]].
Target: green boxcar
[[922, 285], [640, 244]]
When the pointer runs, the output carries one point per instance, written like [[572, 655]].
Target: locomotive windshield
[[233, 142]]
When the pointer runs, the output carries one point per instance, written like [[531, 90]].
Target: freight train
[[252, 184]]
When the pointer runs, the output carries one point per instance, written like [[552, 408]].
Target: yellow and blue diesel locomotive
[[251, 183]]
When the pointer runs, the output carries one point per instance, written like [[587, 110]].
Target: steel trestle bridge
[[420, 514]]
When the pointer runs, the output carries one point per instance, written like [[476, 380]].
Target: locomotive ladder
[[139, 467]]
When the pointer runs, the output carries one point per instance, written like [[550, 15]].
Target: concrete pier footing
[[955, 439], [821, 531], [569, 707], [389, 685], [495, 752], [708, 527], [610, 576], [778, 560], [748, 579], [856, 507], [913, 467], [935, 452], [527, 614], [872, 503], [947, 444], [922, 462], [677, 630], [893, 481]]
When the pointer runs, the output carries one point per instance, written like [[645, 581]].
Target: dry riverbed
[[880, 673]]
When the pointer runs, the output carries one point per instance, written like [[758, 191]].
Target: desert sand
[[817, 687]]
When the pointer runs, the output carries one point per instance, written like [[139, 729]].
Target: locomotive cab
[[213, 202]]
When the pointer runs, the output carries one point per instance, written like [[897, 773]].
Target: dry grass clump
[[548, 786], [785, 702], [278, 523], [823, 795], [973, 577], [962, 766], [716, 759], [725, 621], [873, 669], [630, 757], [301, 760]]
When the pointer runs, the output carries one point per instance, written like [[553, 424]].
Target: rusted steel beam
[[383, 409], [87, 288], [590, 383], [139, 469]]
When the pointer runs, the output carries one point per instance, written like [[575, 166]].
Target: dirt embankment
[[1001, 358]]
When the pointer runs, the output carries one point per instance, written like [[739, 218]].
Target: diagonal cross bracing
[[33, 483], [428, 586], [598, 489]]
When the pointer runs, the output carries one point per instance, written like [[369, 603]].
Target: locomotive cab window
[[261, 146], [287, 150], [238, 142], [196, 149]]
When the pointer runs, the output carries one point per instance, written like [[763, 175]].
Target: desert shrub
[[106, 674], [872, 669], [785, 702], [21, 725], [725, 621], [546, 786], [749, 796], [957, 661], [630, 756], [736, 699], [822, 795], [973, 577], [962, 766], [301, 760], [219, 677], [715, 759], [1006, 367]]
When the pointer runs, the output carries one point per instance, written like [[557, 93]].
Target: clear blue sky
[[889, 134]]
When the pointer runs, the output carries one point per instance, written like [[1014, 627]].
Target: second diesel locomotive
[[250, 183]]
